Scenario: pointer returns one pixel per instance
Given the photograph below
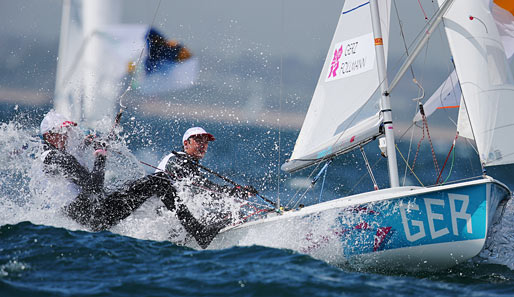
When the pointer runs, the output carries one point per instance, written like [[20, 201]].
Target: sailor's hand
[[100, 152], [100, 144], [95, 141], [89, 139], [243, 192]]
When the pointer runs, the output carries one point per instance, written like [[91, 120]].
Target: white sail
[[446, 96], [68, 82], [503, 13], [94, 52], [348, 80], [485, 78]]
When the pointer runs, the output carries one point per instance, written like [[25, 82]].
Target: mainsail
[[337, 120], [485, 78]]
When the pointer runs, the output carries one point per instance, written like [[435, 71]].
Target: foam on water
[[19, 202], [23, 198]]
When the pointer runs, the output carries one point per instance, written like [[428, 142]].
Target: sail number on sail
[[351, 57]]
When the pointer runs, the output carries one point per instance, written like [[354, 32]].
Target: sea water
[[42, 253]]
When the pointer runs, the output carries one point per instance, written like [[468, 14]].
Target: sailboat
[[407, 228], [100, 56]]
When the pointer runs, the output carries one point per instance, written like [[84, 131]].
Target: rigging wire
[[402, 33], [324, 170], [375, 186], [358, 111], [362, 178], [280, 101], [129, 87], [451, 167], [421, 6], [409, 152], [305, 192], [462, 103], [407, 164], [451, 149]]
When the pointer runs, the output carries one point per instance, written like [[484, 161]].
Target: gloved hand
[[100, 152], [96, 141], [100, 144]]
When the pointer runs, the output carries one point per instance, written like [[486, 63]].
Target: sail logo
[[351, 57]]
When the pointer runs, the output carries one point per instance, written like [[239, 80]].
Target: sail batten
[[346, 95]]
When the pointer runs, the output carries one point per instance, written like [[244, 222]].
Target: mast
[[385, 103]]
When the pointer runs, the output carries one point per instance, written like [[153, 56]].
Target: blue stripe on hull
[[443, 216]]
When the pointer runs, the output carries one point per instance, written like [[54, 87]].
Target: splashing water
[[20, 202], [25, 196]]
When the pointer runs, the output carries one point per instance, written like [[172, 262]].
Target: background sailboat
[[99, 57]]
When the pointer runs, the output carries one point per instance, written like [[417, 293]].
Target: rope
[[421, 6], [451, 149], [243, 219], [375, 186], [451, 168], [322, 186], [313, 182], [410, 146], [324, 172], [411, 170], [417, 149], [203, 187], [425, 127], [362, 177], [305, 192], [425, 124]]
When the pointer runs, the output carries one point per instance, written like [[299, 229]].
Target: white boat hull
[[407, 228]]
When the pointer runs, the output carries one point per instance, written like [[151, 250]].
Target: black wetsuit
[[179, 166], [99, 210], [182, 166]]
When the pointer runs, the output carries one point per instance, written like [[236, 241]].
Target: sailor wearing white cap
[[184, 166], [88, 203]]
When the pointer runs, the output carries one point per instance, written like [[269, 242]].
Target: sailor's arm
[[78, 174]]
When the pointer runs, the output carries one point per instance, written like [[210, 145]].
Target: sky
[[303, 28], [293, 33]]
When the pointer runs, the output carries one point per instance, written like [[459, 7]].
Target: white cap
[[53, 120], [196, 131]]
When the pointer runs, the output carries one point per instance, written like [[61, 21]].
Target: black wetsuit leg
[[203, 234], [101, 213]]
